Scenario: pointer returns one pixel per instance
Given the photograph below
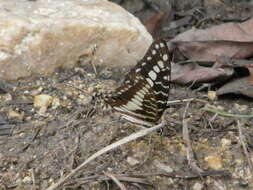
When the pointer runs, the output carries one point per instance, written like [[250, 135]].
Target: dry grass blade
[[180, 101], [104, 150], [225, 114], [120, 185], [187, 141]]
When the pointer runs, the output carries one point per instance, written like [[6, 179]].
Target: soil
[[38, 146]]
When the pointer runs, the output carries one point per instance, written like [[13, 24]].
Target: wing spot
[[136, 81], [165, 57], [143, 64], [165, 78], [143, 92], [145, 88], [149, 58], [136, 101], [157, 46], [152, 75], [153, 52], [162, 45], [150, 82], [160, 63], [132, 106], [156, 68], [138, 70], [138, 97]]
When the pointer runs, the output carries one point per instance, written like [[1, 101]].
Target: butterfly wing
[[143, 96]]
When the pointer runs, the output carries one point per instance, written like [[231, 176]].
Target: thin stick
[[104, 150], [244, 146], [189, 151], [120, 185], [180, 101], [186, 100]]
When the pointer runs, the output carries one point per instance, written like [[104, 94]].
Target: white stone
[[36, 37]]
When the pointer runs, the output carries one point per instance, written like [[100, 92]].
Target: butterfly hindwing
[[143, 96]]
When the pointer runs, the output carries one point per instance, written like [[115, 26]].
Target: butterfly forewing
[[143, 96]]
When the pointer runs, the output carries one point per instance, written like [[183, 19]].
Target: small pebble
[[15, 114], [55, 102], [42, 100], [214, 162], [27, 180], [132, 161], [225, 142], [212, 95], [198, 186], [241, 108]]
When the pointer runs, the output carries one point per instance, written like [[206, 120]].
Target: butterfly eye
[[143, 96]]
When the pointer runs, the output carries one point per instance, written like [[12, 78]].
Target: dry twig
[[103, 151], [244, 146], [120, 185], [187, 141]]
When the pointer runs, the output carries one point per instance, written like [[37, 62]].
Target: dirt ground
[[40, 146]]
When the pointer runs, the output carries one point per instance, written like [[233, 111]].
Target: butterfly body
[[143, 96]]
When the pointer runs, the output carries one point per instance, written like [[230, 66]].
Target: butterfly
[[143, 96]]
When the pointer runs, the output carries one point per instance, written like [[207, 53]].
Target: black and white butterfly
[[143, 96]]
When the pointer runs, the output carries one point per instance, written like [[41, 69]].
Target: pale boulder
[[36, 37]]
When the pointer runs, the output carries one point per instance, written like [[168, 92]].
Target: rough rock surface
[[36, 37]]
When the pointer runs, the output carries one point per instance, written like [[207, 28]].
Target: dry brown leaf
[[234, 40], [193, 73], [210, 50], [238, 86]]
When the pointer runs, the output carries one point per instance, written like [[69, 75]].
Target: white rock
[[39, 36]]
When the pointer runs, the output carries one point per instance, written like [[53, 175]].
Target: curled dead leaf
[[193, 73]]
